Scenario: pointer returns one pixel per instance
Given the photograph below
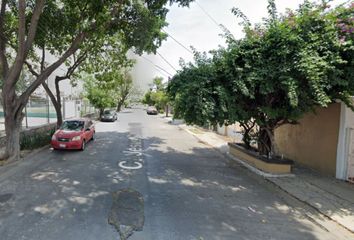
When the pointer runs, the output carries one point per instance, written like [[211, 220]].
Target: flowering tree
[[280, 70]]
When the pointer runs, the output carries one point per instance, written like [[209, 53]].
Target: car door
[[92, 128], [87, 133]]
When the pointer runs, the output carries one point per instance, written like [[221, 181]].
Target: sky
[[197, 26]]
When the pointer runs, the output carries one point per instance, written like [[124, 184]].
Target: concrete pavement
[[186, 190], [331, 198]]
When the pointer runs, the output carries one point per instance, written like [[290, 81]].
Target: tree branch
[[71, 50], [72, 68], [24, 45], [76, 64], [34, 25], [4, 66], [49, 92], [49, 70], [21, 29], [31, 69], [43, 58]]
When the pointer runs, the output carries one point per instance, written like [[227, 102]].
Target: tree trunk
[[121, 102], [266, 142], [13, 104], [101, 112], [57, 107], [166, 110], [13, 123], [119, 106], [58, 104], [247, 138], [12, 128], [56, 101], [263, 143]]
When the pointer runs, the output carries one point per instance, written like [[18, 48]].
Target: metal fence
[[40, 111]]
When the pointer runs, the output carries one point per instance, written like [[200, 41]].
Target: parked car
[[151, 110], [73, 134], [109, 116]]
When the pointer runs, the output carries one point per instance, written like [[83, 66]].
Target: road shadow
[[189, 194]]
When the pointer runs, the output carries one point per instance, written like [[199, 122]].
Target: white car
[[151, 110]]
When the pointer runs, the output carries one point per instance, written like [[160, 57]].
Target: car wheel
[[83, 145]]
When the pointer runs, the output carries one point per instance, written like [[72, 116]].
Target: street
[[147, 178]]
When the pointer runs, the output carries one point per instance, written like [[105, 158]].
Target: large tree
[[67, 24], [280, 70], [125, 89], [157, 95], [105, 89]]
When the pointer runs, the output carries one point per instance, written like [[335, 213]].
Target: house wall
[[313, 142]]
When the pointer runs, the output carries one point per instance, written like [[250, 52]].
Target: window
[[72, 125]]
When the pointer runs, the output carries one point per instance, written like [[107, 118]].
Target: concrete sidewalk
[[326, 195]]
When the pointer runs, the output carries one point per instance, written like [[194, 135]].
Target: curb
[[22, 159], [229, 156], [35, 151], [256, 170]]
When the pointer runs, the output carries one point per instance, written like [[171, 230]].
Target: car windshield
[[107, 112], [72, 125]]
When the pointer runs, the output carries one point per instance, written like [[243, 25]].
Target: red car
[[73, 134]]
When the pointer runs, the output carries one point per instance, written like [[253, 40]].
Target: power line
[[156, 66], [163, 73], [166, 61], [209, 16], [164, 70], [174, 39]]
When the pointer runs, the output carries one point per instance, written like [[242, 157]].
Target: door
[[350, 155], [89, 134]]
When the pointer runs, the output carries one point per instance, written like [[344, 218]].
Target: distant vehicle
[[151, 110], [73, 134], [109, 116]]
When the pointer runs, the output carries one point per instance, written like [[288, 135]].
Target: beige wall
[[313, 142]]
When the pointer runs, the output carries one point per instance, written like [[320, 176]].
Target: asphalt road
[[146, 178]]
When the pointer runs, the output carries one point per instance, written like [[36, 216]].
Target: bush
[[33, 141]]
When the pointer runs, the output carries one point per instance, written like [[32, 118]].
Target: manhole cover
[[5, 197], [127, 212]]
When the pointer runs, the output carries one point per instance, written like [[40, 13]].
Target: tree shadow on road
[[189, 194]]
